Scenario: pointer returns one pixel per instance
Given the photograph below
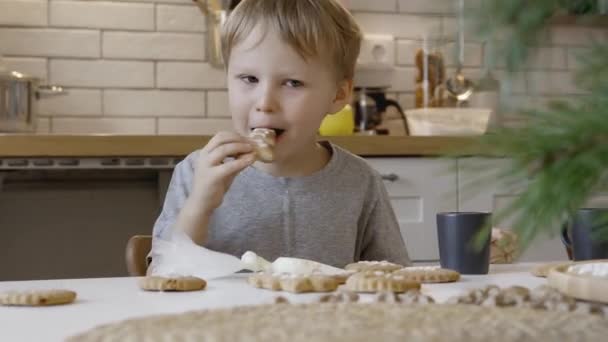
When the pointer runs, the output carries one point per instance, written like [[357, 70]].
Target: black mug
[[456, 232], [582, 246]]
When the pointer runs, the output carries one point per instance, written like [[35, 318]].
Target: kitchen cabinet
[[419, 188]]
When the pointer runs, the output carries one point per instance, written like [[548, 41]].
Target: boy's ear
[[343, 95]]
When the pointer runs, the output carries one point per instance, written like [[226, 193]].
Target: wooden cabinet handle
[[391, 177]]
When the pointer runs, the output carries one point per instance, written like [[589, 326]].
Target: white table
[[104, 300]]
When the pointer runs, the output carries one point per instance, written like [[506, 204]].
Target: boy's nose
[[266, 102]]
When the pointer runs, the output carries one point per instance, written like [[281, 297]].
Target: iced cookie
[[264, 139], [294, 282], [383, 266], [429, 274], [155, 283], [377, 281], [37, 297]]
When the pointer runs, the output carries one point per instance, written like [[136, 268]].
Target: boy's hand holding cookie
[[213, 175]]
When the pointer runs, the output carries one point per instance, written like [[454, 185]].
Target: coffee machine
[[370, 104]]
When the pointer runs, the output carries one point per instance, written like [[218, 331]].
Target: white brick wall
[[139, 66], [23, 12]]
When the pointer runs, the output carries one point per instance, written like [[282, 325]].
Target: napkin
[[180, 256]]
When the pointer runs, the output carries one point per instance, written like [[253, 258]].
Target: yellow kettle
[[340, 123]]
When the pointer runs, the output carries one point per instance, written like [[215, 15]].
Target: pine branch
[[562, 152]]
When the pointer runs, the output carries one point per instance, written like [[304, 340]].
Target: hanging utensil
[[458, 86]]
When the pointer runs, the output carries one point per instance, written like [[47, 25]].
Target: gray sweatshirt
[[338, 215]]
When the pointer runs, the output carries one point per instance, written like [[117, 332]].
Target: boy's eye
[[249, 79], [294, 83]]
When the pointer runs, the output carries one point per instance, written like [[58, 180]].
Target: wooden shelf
[[593, 20]]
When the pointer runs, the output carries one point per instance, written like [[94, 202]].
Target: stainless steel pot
[[18, 101]]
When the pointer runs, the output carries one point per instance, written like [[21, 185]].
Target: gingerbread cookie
[[156, 283], [37, 297], [293, 282], [376, 281], [544, 269], [383, 266], [264, 139], [429, 274]]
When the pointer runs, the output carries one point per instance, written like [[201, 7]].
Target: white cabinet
[[418, 189]]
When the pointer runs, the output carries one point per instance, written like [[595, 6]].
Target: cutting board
[[584, 287]]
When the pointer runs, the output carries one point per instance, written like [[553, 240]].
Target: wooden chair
[[137, 250]]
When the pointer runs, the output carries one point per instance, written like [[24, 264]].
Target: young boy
[[289, 63]]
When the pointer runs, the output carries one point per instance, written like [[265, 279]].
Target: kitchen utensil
[[217, 12], [458, 86], [18, 96], [370, 105], [581, 286]]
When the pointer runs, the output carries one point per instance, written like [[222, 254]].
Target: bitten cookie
[[294, 283], [376, 281], [37, 297], [383, 266], [156, 283], [428, 274], [264, 139]]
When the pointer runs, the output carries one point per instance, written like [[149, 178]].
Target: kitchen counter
[[105, 300], [50, 146]]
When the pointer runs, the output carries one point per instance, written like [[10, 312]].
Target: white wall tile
[[101, 73], [217, 104], [399, 25], [573, 56], [547, 58], [543, 58], [75, 102], [569, 35], [193, 126], [23, 12], [189, 76], [36, 67], [552, 82], [172, 46], [427, 6], [373, 6], [180, 18], [50, 42], [154, 103], [103, 126], [404, 79], [106, 15], [517, 83]]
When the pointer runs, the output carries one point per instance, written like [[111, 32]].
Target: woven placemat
[[353, 322]]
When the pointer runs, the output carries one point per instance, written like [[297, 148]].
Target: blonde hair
[[313, 28]]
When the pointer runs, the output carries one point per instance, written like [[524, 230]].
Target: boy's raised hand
[[214, 174]]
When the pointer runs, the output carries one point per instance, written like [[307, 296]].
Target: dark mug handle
[[566, 239]]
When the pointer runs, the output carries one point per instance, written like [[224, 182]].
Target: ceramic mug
[[577, 234]]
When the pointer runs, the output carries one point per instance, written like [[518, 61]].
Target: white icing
[[253, 262], [421, 268], [303, 266], [596, 269]]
